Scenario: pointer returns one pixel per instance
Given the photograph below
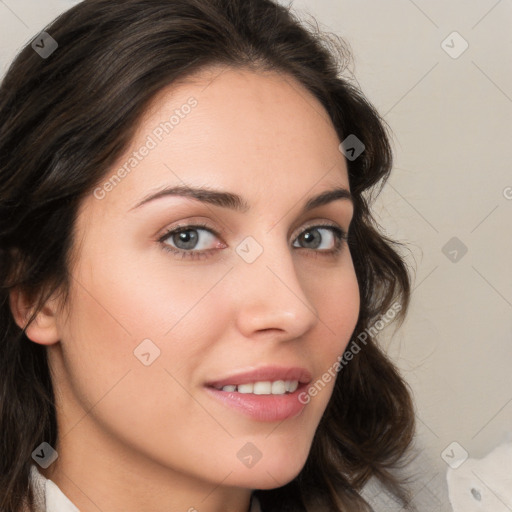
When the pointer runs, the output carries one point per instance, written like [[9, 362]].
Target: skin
[[135, 437]]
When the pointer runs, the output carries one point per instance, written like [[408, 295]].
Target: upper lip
[[265, 373]]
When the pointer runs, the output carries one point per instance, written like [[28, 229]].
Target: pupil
[[188, 238], [309, 237]]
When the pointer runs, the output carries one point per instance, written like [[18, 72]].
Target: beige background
[[451, 117]]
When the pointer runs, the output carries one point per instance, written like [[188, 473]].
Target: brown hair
[[64, 121]]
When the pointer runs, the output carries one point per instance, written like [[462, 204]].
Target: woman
[[191, 275]]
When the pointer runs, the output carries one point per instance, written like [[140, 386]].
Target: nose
[[271, 298]]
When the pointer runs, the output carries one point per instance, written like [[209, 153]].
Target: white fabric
[[56, 500], [49, 498], [483, 485]]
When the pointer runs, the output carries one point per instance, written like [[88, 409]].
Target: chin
[[272, 471]]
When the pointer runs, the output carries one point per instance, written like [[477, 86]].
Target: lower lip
[[262, 407]]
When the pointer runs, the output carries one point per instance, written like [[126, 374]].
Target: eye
[[186, 238], [314, 239], [188, 242]]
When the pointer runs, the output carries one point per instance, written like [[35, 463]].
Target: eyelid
[[317, 224], [340, 235], [190, 224], [186, 225]]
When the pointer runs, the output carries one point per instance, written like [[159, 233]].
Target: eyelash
[[340, 235]]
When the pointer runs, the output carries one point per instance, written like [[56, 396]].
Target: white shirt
[[49, 498]]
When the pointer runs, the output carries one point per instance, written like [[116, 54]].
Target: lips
[[258, 402], [267, 373]]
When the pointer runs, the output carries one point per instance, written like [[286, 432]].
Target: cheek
[[336, 297], [337, 301], [121, 312], [117, 390]]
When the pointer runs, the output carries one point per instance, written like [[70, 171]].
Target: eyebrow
[[237, 203]]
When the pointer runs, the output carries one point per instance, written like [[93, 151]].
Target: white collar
[[49, 498]]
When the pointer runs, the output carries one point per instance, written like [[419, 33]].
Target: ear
[[43, 329]]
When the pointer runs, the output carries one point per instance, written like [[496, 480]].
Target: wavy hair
[[65, 120]]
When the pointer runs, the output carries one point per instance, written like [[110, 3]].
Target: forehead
[[255, 132]]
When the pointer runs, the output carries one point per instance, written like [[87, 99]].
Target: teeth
[[245, 388], [291, 385], [278, 387]]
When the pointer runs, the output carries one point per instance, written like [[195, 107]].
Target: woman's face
[[258, 288]]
